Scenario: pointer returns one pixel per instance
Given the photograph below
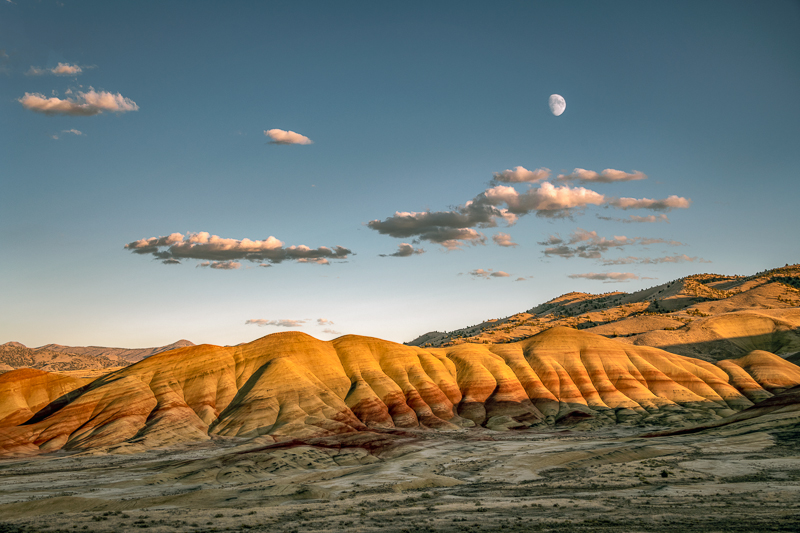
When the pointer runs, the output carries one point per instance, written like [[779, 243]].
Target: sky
[[220, 171]]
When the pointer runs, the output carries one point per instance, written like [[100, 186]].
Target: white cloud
[[286, 137], [283, 323], [62, 69], [207, 247], [83, 104], [607, 277], [503, 239], [609, 175], [331, 331], [73, 132], [522, 175], [324, 322]]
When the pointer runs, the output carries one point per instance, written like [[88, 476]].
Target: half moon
[[557, 104]]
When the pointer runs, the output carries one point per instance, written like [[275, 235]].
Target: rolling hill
[[707, 316]]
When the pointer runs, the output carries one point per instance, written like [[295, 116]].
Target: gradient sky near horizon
[[124, 121]]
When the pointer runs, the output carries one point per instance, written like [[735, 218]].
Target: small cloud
[[520, 279], [83, 104], [286, 137], [73, 132], [62, 69], [489, 273], [283, 323], [324, 322], [522, 175], [219, 265], [607, 277], [315, 260], [503, 239], [171, 262], [405, 250], [331, 331]]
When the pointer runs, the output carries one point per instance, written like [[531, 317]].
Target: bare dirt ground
[[741, 477]]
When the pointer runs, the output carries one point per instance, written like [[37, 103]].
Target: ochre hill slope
[[291, 385], [707, 316], [26, 391]]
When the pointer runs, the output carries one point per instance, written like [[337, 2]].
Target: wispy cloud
[[324, 322], [503, 239], [683, 258], [522, 175], [634, 219], [82, 104], [607, 277], [62, 69], [666, 204], [331, 331], [217, 265], [286, 137], [282, 323], [405, 250], [488, 273], [211, 248], [608, 175], [589, 245]]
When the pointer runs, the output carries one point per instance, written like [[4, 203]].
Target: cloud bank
[[286, 137], [213, 249], [83, 104]]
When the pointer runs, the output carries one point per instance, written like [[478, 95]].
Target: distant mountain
[[708, 316], [58, 358], [15, 355], [126, 354]]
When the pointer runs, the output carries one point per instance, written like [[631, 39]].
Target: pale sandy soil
[[741, 477]]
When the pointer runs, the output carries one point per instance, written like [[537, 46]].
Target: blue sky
[[411, 107]]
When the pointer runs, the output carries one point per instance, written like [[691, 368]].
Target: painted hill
[[708, 316], [27, 391], [291, 385]]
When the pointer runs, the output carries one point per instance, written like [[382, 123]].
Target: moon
[[557, 104]]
